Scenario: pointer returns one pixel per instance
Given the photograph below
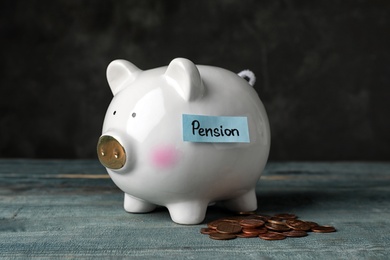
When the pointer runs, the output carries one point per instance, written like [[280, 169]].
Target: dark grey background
[[323, 68]]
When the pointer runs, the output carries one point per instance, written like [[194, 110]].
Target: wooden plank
[[70, 209]]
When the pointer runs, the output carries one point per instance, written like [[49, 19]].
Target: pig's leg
[[246, 202], [135, 205], [188, 212]]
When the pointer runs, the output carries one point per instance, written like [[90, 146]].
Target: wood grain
[[70, 209]]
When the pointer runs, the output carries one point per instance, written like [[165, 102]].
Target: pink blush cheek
[[165, 157]]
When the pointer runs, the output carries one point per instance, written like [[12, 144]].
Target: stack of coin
[[251, 224]]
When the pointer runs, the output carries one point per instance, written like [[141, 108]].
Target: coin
[[295, 233], [228, 228], [215, 223], [207, 231], [246, 235], [277, 227], [233, 219], [276, 221], [261, 217], [285, 216], [272, 236], [220, 236], [311, 224], [253, 223], [256, 231], [323, 229], [298, 225]]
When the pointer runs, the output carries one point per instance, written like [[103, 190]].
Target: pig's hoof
[[135, 205], [246, 202], [188, 213]]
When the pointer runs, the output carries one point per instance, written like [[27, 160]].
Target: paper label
[[215, 129]]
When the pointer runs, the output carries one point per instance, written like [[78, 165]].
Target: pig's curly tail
[[248, 76]]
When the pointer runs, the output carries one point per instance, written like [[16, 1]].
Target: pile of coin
[[251, 224]]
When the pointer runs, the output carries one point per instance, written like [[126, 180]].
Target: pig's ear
[[120, 73], [184, 76]]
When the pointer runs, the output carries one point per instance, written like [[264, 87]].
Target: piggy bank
[[184, 136]]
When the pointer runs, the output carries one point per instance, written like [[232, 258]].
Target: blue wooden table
[[71, 209]]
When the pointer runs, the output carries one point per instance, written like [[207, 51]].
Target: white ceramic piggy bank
[[184, 136]]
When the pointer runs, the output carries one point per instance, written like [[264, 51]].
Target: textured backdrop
[[323, 68]]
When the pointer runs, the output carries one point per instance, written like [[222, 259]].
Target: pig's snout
[[111, 153]]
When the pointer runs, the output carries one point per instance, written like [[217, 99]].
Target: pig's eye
[[134, 115], [114, 113]]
